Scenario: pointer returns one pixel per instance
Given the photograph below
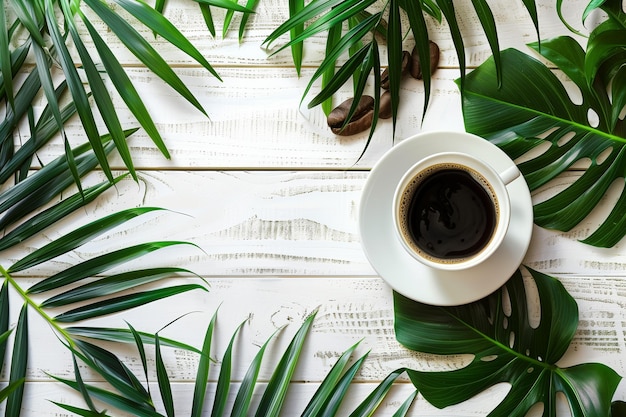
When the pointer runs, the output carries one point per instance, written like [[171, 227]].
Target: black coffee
[[450, 214]]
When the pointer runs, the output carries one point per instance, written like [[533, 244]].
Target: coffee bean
[[384, 111], [406, 63], [361, 119], [416, 68]]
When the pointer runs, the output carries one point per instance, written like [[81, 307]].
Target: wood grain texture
[[271, 198]]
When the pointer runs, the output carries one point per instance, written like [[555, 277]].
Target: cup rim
[[499, 189]]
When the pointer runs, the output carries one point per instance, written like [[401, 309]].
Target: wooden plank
[[349, 310], [269, 223], [515, 29]]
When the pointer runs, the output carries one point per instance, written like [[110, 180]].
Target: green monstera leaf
[[506, 348], [532, 107]]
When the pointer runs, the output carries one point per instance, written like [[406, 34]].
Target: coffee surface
[[451, 216]]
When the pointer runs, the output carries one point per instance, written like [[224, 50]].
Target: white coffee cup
[[451, 210]]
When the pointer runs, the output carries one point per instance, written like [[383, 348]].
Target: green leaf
[[142, 50], [76, 238], [296, 6], [202, 374], [250, 5], [369, 405], [113, 399], [100, 92], [248, 383], [326, 388], [111, 285], [19, 361], [99, 264], [447, 8], [394, 55], [142, 352], [506, 348], [77, 90], [48, 217], [489, 26], [6, 72], [532, 107], [124, 336], [419, 28], [223, 380], [4, 320], [274, 395], [334, 35], [163, 380], [164, 28], [115, 373], [339, 391], [404, 408], [125, 87], [123, 303], [80, 411]]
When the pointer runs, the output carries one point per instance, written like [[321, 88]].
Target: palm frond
[[328, 398]]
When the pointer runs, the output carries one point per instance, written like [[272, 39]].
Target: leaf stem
[[29, 301]]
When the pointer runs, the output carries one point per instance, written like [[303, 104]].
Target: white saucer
[[398, 268]]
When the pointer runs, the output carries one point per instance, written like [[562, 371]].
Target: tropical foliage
[[532, 108], [48, 38], [133, 397], [352, 30], [507, 347]]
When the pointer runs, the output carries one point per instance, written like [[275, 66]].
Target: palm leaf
[[274, 395], [296, 6], [164, 384], [506, 348], [123, 303], [532, 103], [202, 374], [223, 379], [19, 362], [124, 336]]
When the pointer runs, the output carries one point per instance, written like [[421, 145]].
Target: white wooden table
[[270, 196]]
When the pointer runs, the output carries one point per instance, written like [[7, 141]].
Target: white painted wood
[[271, 198], [281, 223]]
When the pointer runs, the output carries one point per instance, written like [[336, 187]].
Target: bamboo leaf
[[202, 374], [274, 395], [111, 285], [73, 239], [19, 361], [163, 380], [122, 303], [142, 50]]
